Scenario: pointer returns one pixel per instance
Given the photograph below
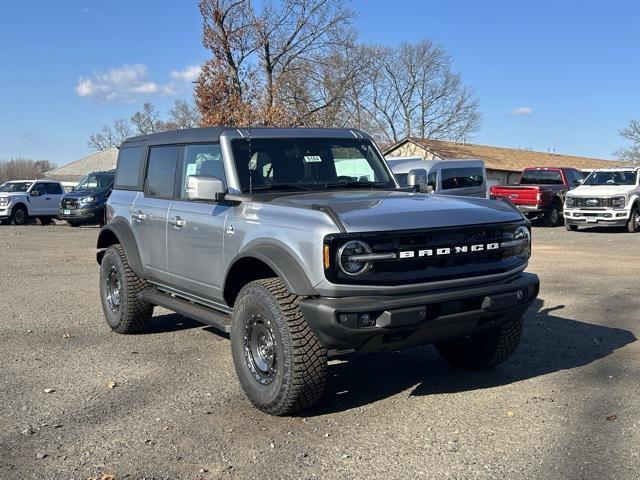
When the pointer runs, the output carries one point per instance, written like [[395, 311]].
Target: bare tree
[[23, 169], [183, 115], [632, 152], [265, 64], [147, 120], [110, 135]]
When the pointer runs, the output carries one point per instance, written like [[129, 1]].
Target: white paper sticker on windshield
[[312, 159], [191, 169]]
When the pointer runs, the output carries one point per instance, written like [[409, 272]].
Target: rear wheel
[[633, 225], [280, 363], [484, 350], [19, 215], [119, 289], [45, 220], [73, 224], [553, 216]]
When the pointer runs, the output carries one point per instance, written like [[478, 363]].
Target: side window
[[161, 171], [54, 189], [461, 178], [574, 177], [128, 170], [202, 159], [40, 188], [432, 180]]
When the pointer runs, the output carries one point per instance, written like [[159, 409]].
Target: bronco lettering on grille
[[434, 252]]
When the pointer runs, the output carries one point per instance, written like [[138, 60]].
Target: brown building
[[504, 165], [75, 171]]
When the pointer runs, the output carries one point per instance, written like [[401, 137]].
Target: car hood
[[365, 211], [84, 193], [601, 190], [13, 194]]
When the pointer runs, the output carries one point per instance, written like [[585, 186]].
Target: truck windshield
[[619, 177], [95, 181], [15, 187], [541, 177], [302, 164]]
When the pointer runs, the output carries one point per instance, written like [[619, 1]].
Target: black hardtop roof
[[208, 134]]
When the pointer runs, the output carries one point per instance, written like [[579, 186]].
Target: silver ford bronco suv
[[301, 245]]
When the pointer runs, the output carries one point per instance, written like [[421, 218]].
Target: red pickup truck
[[540, 192]]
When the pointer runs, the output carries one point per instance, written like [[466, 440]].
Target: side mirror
[[417, 178], [200, 187], [35, 193]]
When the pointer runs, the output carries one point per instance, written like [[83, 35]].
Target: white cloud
[[521, 111], [126, 83], [189, 74]]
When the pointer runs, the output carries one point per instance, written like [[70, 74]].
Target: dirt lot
[[567, 405]]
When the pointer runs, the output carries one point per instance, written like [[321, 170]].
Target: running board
[[220, 321]]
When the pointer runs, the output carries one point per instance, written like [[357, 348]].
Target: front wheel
[[279, 361], [484, 350], [124, 311], [19, 215], [633, 225]]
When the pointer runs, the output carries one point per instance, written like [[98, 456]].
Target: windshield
[[619, 177], [95, 181], [15, 186], [308, 164], [541, 177]]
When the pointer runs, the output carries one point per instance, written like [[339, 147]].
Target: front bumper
[[5, 212], [78, 214], [406, 320], [606, 217]]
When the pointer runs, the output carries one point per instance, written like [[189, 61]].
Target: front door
[[149, 212], [195, 230], [38, 199]]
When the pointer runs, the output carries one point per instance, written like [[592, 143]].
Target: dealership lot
[[167, 404]]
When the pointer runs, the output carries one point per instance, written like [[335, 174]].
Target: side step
[[220, 321]]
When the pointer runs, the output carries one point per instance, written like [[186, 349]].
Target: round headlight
[[87, 200], [350, 265], [524, 249]]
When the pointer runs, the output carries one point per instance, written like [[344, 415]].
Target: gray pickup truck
[[301, 245]]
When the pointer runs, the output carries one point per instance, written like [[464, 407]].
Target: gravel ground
[[167, 404]]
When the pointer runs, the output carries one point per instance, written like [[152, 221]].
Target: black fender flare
[[282, 263], [121, 230]]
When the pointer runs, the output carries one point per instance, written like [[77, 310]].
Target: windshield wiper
[[278, 186], [356, 184]]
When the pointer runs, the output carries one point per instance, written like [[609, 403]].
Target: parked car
[[255, 232], [607, 198], [86, 202], [21, 200], [540, 192], [446, 177]]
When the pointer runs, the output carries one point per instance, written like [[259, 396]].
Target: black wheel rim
[[260, 349], [636, 221], [555, 216], [113, 289], [19, 216]]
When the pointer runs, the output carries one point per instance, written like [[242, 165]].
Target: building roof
[[99, 161], [500, 158]]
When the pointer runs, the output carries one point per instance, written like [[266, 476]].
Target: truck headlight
[[4, 201], [618, 202], [522, 236], [87, 200], [569, 201], [348, 260]]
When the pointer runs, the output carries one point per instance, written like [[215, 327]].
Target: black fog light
[[357, 320], [607, 215], [366, 320]]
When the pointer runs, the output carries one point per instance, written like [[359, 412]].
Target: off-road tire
[[300, 360], [19, 215], [484, 350], [133, 314], [633, 225], [570, 228], [553, 216]]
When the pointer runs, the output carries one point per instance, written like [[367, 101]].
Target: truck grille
[[593, 202], [399, 271], [70, 203]]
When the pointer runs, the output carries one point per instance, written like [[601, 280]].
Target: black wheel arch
[[264, 261], [118, 231]]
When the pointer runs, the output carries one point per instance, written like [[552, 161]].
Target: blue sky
[[570, 68]]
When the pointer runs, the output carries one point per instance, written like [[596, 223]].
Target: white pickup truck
[[608, 197], [22, 199]]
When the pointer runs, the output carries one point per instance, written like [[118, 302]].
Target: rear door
[[195, 230], [149, 212], [54, 195]]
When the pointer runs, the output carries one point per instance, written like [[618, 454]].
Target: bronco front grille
[[398, 271]]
